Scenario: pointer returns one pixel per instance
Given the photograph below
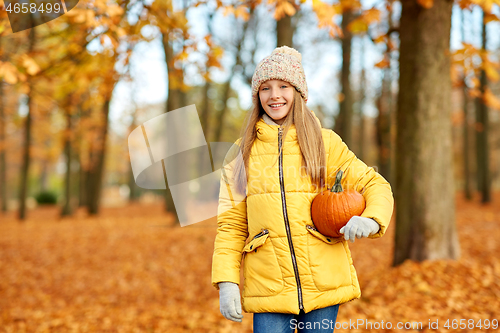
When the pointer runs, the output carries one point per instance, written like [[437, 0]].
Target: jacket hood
[[268, 132]]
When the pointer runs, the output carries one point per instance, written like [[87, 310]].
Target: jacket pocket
[[328, 261], [261, 269], [326, 239]]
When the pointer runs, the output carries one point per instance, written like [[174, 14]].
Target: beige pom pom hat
[[284, 63]]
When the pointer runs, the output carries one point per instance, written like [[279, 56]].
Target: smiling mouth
[[277, 106]]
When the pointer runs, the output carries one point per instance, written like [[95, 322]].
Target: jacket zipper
[[311, 227], [260, 234], [287, 224]]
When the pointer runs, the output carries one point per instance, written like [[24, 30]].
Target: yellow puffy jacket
[[287, 264]]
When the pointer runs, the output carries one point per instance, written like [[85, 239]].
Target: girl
[[294, 277]]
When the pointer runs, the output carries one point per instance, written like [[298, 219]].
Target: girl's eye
[[284, 86]]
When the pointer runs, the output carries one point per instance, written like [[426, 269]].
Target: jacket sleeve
[[232, 230], [375, 189]]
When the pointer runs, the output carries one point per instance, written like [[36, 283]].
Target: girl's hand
[[359, 227], [229, 298]]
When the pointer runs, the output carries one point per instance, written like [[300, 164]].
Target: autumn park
[[89, 243]]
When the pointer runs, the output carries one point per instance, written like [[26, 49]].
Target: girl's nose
[[275, 94]]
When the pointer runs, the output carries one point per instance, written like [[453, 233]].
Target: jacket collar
[[267, 129], [268, 120]]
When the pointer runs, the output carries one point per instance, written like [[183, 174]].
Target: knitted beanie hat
[[284, 63]]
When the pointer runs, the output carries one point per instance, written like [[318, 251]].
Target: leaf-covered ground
[[129, 270]]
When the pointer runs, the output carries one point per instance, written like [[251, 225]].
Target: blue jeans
[[319, 320]]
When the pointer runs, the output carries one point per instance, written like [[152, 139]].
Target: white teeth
[[277, 105]]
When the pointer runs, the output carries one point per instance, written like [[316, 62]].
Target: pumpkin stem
[[337, 188]]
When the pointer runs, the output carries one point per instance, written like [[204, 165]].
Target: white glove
[[229, 299], [359, 227]]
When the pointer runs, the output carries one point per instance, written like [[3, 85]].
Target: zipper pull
[[262, 233], [311, 227]]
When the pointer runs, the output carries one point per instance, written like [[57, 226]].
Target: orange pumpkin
[[333, 208]]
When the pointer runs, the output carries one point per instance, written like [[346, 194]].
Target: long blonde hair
[[309, 138]]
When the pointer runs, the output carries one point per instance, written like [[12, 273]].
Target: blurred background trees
[[411, 87]]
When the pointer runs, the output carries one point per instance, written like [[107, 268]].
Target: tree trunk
[[361, 103], [82, 184], [23, 187], [466, 145], [173, 103], [3, 149], [284, 31], [385, 118], [205, 111], [204, 117], [221, 115], [44, 173], [82, 172], [227, 86], [205, 107], [343, 123], [67, 209], [134, 193], [384, 140], [425, 206], [95, 178], [482, 146]]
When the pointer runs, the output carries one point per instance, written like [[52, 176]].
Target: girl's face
[[276, 97]]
